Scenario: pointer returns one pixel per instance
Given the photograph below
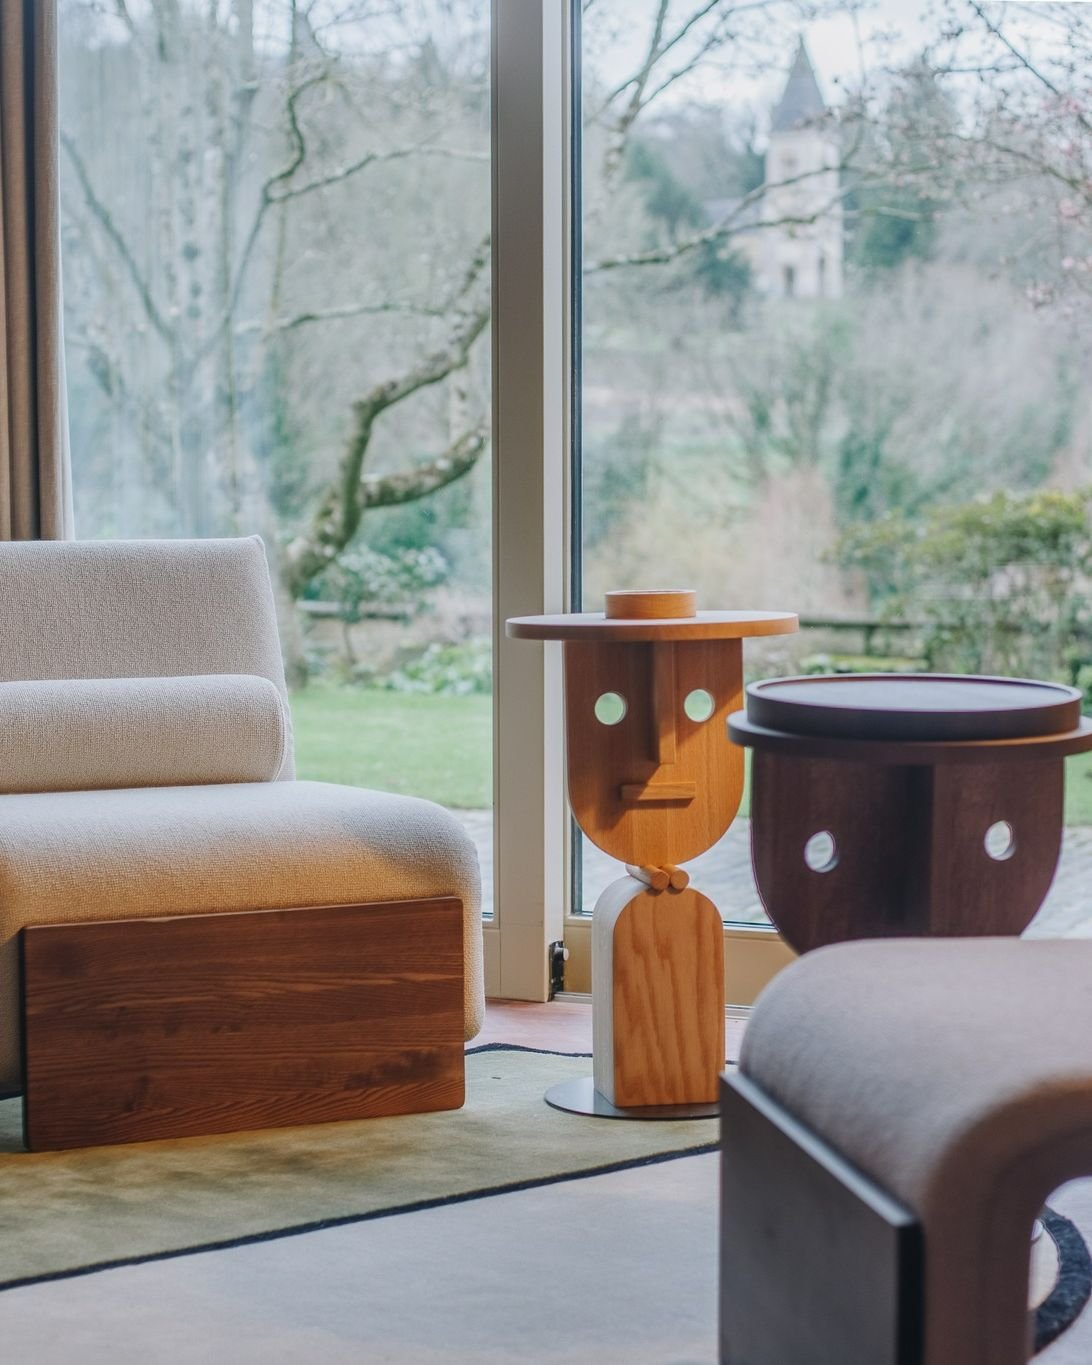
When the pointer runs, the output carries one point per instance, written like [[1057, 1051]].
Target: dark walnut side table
[[906, 805]]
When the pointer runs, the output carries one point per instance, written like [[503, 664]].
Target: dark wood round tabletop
[[914, 707]]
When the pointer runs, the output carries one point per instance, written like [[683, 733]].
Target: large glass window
[[837, 265], [277, 290]]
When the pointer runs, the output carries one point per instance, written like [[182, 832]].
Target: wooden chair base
[[817, 1263], [173, 1027]]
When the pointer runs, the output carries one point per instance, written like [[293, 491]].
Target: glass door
[[833, 303], [277, 286]]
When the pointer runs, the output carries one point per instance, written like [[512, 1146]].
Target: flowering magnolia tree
[[1019, 149]]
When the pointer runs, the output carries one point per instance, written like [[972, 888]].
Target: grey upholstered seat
[[957, 1075], [189, 610]]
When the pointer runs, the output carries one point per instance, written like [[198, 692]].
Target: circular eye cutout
[[699, 705], [821, 852], [1000, 841], [610, 708]]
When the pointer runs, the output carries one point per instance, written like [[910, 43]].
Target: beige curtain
[[35, 470]]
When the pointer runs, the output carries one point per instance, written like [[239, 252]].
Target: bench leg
[[817, 1264]]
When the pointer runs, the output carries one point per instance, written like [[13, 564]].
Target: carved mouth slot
[[637, 793]]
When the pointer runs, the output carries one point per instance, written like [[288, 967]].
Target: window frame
[[531, 335], [536, 508]]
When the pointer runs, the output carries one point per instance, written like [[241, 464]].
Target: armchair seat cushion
[[933, 1065], [135, 853], [957, 1075]]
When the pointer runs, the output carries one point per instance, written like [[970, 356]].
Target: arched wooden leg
[[909, 854], [658, 993]]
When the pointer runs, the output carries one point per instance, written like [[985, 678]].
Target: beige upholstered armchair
[[190, 939]]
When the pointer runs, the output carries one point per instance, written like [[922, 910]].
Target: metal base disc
[[581, 1097]]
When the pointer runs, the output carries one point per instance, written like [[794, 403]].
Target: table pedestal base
[[657, 997], [581, 1097]]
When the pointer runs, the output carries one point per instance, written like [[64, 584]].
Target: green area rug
[[65, 1213]]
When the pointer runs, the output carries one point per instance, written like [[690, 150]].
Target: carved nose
[[662, 711], [662, 736]]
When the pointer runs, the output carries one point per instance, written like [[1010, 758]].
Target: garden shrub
[[1000, 584], [453, 670]]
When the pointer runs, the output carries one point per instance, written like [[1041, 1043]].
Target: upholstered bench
[[901, 1112], [191, 940]]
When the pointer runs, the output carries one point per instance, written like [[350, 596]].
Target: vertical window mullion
[[531, 440]]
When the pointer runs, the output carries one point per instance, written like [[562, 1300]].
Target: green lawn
[[1078, 790], [439, 747]]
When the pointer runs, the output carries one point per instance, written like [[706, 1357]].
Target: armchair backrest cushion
[[77, 734], [138, 609]]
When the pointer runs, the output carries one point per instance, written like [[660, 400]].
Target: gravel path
[[724, 874]]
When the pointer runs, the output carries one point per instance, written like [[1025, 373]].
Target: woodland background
[[276, 251]]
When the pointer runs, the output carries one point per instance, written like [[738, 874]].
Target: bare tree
[[1021, 152], [274, 140]]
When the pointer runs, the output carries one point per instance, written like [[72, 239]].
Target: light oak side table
[[654, 782]]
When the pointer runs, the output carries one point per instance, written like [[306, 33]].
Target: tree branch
[[1074, 181], [105, 220], [478, 261], [349, 494], [388, 490], [642, 83], [374, 159], [1025, 61], [729, 226], [712, 42], [266, 200], [435, 367], [662, 48], [121, 9], [349, 310], [269, 197]]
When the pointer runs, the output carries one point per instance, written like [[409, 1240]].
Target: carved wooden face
[[653, 776]]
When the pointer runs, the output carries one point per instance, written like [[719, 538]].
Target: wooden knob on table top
[[651, 604]]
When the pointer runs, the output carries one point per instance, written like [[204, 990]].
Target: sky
[[836, 45], [879, 33]]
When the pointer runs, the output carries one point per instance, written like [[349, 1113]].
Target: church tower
[[801, 260]]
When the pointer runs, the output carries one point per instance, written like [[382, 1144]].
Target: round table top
[[914, 706], [703, 625], [909, 753]]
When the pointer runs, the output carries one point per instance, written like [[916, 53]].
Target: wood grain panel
[[703, 625], [911, 752], [658, 995], [910, 853], [818, 1265], [658, 787], [154, 1028], [971, 892]]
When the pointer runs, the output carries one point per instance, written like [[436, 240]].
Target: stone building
[[801, 259]]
